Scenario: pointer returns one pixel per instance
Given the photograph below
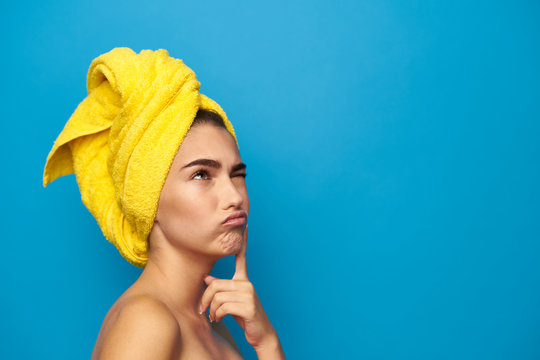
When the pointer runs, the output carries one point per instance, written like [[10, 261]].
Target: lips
[[236, 218]]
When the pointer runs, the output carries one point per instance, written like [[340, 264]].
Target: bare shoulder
[[138, 327]]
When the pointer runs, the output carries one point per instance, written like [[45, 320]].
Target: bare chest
[[195, 346]]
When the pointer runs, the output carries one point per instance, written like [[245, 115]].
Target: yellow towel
[[122, 138]]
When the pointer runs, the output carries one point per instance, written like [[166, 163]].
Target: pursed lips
[[237, 217]]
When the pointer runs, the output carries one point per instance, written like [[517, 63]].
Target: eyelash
[[206, 172]]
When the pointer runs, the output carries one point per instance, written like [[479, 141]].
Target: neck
[[177, 278]]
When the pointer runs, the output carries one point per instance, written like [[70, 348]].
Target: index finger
[[240, 263]]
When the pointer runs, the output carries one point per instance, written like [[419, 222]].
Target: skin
[[163, 314]]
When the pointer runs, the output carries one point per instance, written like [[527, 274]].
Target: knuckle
[[248, 286], [222, 310], [218, 297]]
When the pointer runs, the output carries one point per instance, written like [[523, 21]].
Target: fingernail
[[200, 309]]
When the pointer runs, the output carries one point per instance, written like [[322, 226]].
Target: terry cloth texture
[[122, 138]]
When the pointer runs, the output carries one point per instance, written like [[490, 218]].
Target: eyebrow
[[213, 163]]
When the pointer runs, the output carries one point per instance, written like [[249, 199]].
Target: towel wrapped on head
[[122, 138]]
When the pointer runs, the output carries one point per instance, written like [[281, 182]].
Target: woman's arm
[[142, 329], [238, 298], [270, 350]]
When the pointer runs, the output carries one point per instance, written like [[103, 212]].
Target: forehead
[[208, 141]]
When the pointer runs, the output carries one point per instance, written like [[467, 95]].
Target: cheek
[[244, 192], [184, 212]]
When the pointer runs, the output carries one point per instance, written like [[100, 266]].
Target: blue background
[[393, 170]]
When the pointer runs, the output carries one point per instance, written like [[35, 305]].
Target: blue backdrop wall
[[393, 160]]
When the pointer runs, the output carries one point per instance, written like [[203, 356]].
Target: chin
[[231, 242]]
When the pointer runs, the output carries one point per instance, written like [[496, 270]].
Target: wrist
[[270, 349], [270, 342]]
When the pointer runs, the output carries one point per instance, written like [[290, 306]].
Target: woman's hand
[[238, 298]]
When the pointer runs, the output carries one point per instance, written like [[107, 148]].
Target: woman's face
[[197, 196]]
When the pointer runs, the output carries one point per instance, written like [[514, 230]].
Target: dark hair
[[208, 117]]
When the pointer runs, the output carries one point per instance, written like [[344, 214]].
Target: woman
[[159, 167]]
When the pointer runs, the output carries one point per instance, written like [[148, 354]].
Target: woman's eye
[[202, 173]]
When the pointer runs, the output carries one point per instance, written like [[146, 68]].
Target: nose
[[231, 196]]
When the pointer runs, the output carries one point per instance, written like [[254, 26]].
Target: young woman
[[159, 167], [201, 217]]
